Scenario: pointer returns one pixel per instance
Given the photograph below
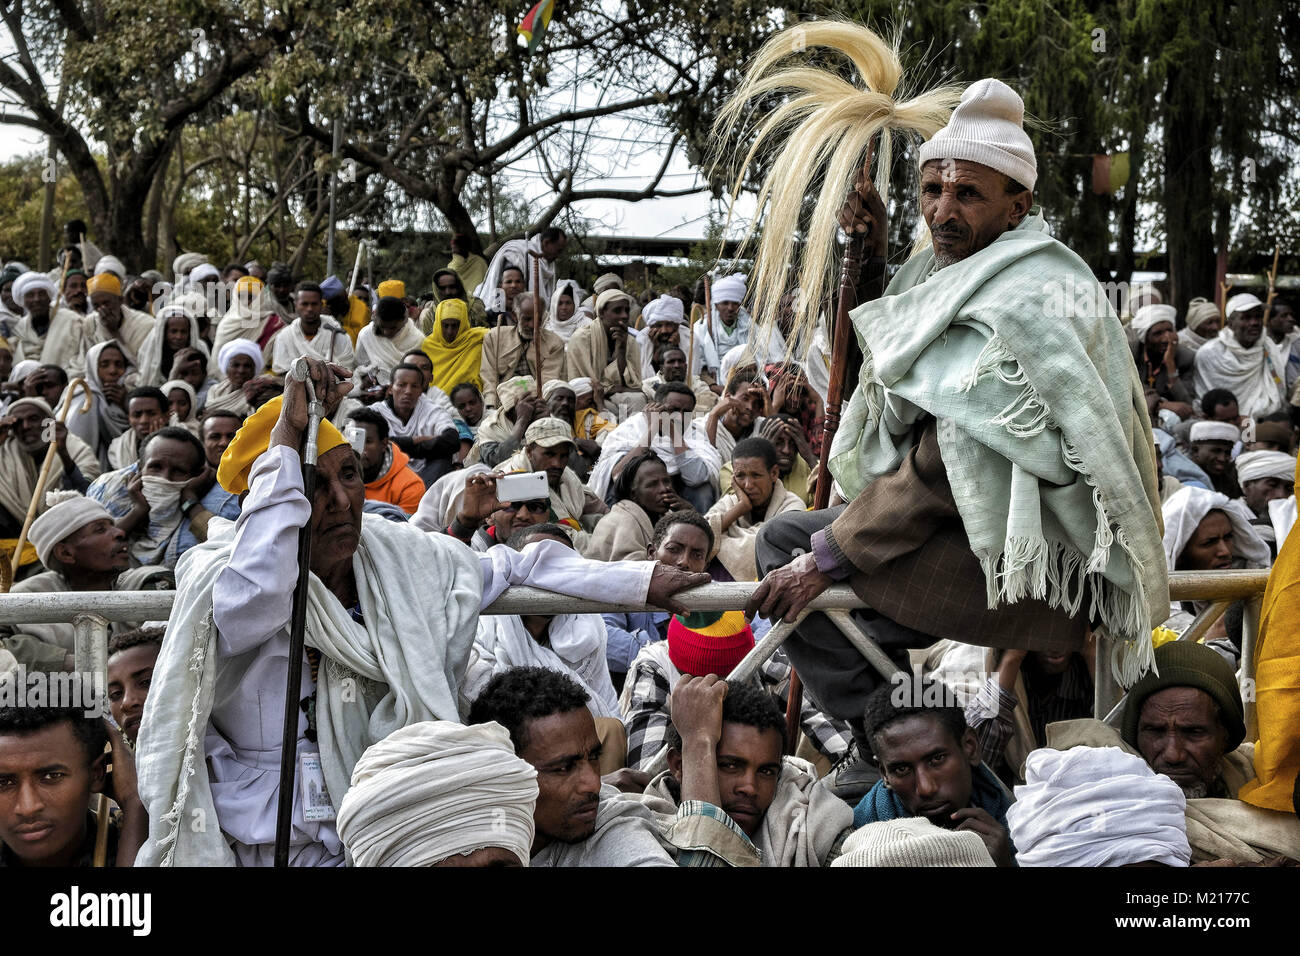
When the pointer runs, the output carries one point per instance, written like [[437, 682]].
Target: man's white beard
[[1196, 791]]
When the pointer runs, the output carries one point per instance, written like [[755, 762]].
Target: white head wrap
[[22, 369], [166, 389], [32, 280], [1242, 302], [1214, 431], [435, 789], [186, 261], [550, 387], [913, 841], [68, 513], [1097, 806], [581, 386], [666, 308], [1198, 311], [110, 264], [611, 295], [204, 273], [1149, 316], [1253, 465], [729, 289], [608, 280], [240, 347], [987, 127], [1186, 509]]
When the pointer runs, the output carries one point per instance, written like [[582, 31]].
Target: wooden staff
[[690, 351], [101, 831], [708, 311], [63, 281], [846, 301], [51, 452], [1272, 286], [1223, 302], [537, 317]]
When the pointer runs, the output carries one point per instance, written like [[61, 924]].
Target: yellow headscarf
[[104, 282], [458, 361], [392, 287], [254, 438]]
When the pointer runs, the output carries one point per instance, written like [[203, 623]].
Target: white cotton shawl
[[105, 421], [1187, 508], [412, 665], [735, 546], [577, 650], [1256, 375], [565, 329], [1097, 806], [150, 358], [435, 789]]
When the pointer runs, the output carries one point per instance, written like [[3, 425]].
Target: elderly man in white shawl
[[731, 796], [391, 616], [1244, 360], [996, 455], [50, 336]]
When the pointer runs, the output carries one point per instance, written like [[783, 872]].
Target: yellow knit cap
[[392, 287], [254, 437], [104, 282], [251, 284]]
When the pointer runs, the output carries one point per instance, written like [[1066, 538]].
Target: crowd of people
[[652, 443]]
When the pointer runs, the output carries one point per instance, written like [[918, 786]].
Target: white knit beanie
[[913, 841], [987, 127]]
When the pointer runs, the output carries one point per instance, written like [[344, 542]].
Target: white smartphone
[[524, 486]]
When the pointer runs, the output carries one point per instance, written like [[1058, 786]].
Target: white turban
[[22, 369], [1199, 311], [1149, 316], [666, 308], [240, 347], [550, 387], [186, 261], [1214, 431], [1254, 465], [1242, 302], [435, 789], [729, 289], [1097, 806], [204, 272], [1187, 507], [607, 281], [32, 280], [987, 127], [611, 295], [110, 264], [581, 386], [68, 513]]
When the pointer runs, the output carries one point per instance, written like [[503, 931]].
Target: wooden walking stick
[[845, 302], [690, 351], [51, 452], [537, 317], [708, 317], [1272, 286], [100, 857]]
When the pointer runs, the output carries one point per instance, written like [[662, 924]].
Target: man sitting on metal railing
[[391, 616]]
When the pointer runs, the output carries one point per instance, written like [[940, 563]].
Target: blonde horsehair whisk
[[818, 138]]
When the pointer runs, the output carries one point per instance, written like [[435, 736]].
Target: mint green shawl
[[1042, 426]]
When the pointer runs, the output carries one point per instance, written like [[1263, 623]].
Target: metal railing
[[91, 612]]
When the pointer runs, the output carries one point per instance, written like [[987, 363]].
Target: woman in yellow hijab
[[454, 346]]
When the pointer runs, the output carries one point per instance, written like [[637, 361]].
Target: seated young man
[[147, 410], [700, 643], [131, 658], [794, 456], [731, 787], [165, 500], [51, 761], [385, 468], [756, 495], [579, 821], [930, 766]]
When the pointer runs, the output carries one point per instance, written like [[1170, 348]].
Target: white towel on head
[[1214, 431], [1187, 508], [1097, 806], [434, 789], [1149, 316], [1253, 465], [729, 288]]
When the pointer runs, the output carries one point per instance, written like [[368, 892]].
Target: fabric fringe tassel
[[193, 743], [1026, 415]]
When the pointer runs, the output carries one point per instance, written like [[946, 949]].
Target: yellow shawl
[[457, 361]]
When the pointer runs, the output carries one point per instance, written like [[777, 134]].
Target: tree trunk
[[1189, 191]]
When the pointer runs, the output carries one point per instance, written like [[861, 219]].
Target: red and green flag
[[534, 26]]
